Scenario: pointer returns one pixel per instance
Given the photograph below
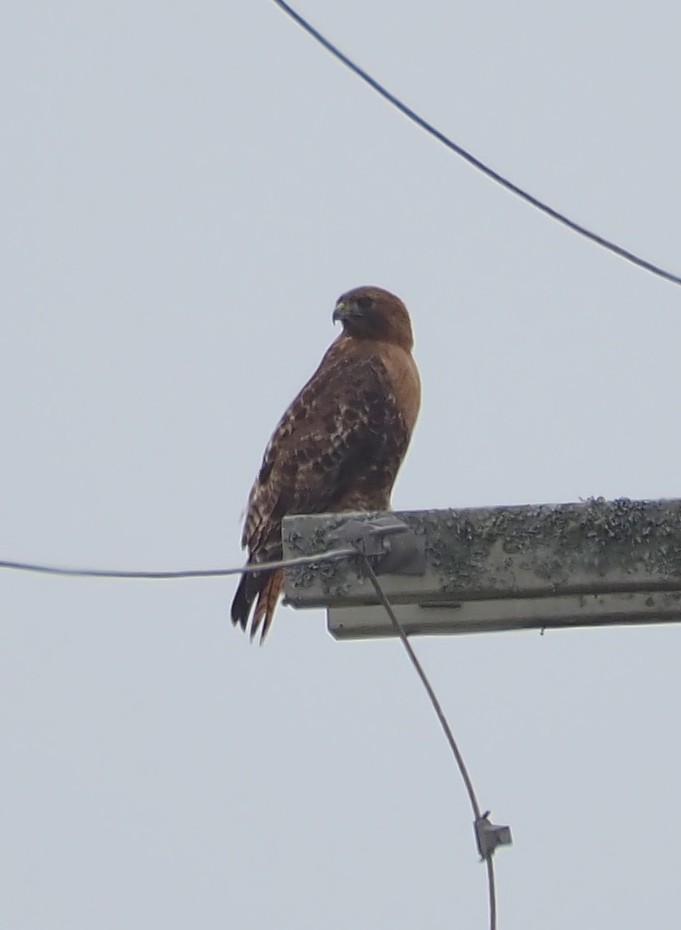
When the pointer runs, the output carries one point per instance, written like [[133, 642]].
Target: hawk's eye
[[364, 302]]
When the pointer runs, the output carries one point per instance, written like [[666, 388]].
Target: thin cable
[[427, 685], [331, 555], [399, 629], [185, 573], [492, 894], [422, 123]]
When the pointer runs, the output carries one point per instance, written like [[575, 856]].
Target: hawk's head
[[372, 313]]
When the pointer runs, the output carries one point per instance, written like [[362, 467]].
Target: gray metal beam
[[593, 563], [543, 613]]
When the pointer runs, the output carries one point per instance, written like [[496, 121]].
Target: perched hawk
[[340, 443]]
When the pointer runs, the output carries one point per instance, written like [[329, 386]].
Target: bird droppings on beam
[[504, 552]]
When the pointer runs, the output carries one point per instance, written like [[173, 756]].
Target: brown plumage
[[339, 445]]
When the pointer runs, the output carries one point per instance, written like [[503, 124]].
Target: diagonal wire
[[399, 629], [331, 555], [42, 569], [476, 163]]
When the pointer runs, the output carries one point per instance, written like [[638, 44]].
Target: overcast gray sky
[[185, 189]]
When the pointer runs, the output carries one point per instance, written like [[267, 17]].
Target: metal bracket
[[490, 835], [393, 547]]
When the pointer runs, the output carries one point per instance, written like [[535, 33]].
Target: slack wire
[[399, 629], [476, 163], [332, 555]]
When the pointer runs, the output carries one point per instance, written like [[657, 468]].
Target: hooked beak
[[345, 310]]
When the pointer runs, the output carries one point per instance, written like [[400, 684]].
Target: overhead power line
[[446, 729], [43, 569], [331, 555], [436, 133]]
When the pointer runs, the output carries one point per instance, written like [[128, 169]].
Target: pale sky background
[[185, 189]]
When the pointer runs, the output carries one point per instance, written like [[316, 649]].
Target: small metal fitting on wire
[[393, 547], [489, 836]]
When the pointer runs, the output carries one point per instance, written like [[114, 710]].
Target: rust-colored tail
[[266, 587]]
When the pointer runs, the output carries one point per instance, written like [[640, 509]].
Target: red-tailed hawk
[[340, 444]]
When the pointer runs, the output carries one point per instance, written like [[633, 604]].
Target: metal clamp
[[490, 835], [393, 547]]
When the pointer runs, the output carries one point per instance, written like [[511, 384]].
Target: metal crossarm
[[481, 570]]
